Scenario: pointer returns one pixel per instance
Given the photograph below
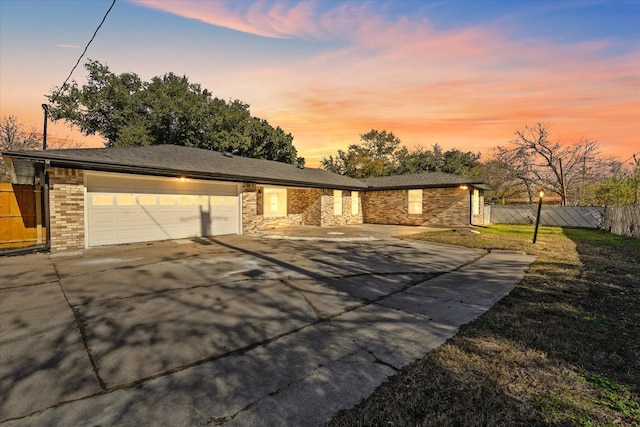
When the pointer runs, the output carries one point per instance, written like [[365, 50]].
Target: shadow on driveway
[[185, 332]]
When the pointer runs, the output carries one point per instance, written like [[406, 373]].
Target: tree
[[127, 111], [381, 154], [621, 189], [374, 157], [566, 170], [459, 162], [504, 179], [15, 137]]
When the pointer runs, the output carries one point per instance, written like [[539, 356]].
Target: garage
[[123, 208]]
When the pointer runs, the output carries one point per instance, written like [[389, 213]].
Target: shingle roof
[[176, 160], [420, 180]]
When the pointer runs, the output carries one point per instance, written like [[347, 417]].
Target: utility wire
[[84, 51]]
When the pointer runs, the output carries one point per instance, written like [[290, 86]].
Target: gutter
[[173, 173]]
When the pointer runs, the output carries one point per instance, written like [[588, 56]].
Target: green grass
[[562, 349]]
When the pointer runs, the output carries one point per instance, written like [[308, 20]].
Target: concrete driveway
[[235, 330]]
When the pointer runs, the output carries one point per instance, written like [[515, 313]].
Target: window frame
[[282, 204], [337, 202], [475, 202], [414, 207], [355, 203]]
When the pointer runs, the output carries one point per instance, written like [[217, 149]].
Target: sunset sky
[[463, 74]]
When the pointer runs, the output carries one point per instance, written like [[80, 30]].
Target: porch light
[[182, 179], [535, 233], [463, 187]]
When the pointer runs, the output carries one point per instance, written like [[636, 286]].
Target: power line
[[84, 51]]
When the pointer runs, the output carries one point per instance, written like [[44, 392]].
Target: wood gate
[[20, 215]]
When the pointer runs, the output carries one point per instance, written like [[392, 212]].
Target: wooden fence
[[623, 220], [563, 216], [20, 216]]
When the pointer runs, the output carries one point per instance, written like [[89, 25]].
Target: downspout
[[47, 166], [47, 216], [471, 206]]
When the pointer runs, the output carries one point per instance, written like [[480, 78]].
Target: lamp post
[[535, 233]]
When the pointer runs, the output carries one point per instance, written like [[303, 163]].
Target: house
[[429, 199], [105, 196]]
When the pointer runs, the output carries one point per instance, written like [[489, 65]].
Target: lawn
[[563, 348]]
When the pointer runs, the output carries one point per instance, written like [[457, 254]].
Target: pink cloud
[[468, 88], [276, 20]]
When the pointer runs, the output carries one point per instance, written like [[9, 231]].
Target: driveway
[[236, 330]]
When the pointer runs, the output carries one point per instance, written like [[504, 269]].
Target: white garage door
[[127, 208]]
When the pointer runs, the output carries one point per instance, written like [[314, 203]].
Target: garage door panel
[[124, 215]]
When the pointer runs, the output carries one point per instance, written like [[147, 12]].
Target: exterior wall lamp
[[464, 187], [535, 233], [182, 179]]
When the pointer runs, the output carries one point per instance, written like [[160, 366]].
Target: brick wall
[[306, 204], [440, 207], [66, 202]]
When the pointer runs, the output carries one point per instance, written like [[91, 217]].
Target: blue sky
[[464, 74]]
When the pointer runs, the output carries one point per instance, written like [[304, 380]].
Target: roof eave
[[145, 170], [409, 187]]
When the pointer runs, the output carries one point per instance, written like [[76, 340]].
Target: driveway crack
[[81, 325], [221, 420]]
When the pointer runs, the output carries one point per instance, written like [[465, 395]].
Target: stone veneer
[[305, 206], [440, 207], [66, 206], [479, 219], [328, 219]]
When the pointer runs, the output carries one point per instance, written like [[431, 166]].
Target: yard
[[563, 348]]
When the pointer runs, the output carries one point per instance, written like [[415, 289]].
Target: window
[[355, 203], [337, 202], [274, 202], [125, 200], [476, 202], [415, 201], [101, 200], [147, 200]]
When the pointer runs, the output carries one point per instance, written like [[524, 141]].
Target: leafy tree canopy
[[380, 154], [623, 188], [127, 111]]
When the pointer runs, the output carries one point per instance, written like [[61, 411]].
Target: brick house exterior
[[313, 197], [441, 207]]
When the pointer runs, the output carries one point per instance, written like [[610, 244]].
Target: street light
[[535, 233]]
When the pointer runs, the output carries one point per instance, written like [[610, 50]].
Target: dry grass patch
[[562, 349]]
